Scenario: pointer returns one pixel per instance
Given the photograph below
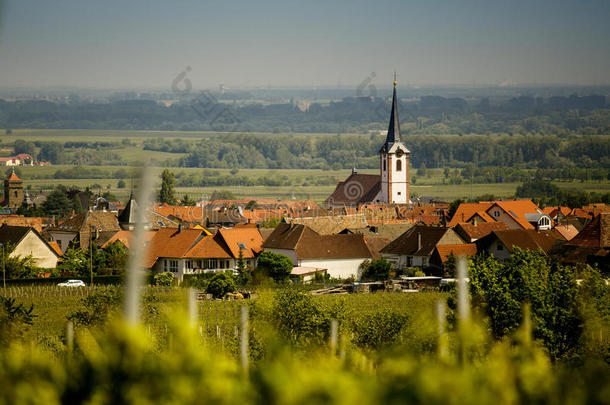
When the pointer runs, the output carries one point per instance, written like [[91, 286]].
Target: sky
[[140, 44]]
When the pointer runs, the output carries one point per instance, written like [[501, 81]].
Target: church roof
[[393, 137], [128, 215], [356, 189], [13, 177]]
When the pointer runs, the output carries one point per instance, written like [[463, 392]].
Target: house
[[516, 214], [188, 251], [341, 255], [472, 232], [414, 247], [501, 244], [22, 159], [441, 254], [28, 242], [81, 229], [591, 245]]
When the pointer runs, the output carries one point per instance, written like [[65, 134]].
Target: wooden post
[[243, 344]]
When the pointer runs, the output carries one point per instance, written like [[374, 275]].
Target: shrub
[[221, 284], [164, 279], [372, 331], [377, 270], [275, 265], [96, 308]]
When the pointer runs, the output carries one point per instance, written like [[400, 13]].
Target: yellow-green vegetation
[[533, 336]]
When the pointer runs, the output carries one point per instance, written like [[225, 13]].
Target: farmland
[[126, 149]]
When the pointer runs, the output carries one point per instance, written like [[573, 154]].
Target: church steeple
[[394, 127], [394, 161]]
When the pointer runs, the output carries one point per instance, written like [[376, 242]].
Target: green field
[[430, 185]]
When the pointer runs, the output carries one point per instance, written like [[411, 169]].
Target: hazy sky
[[146, 43]]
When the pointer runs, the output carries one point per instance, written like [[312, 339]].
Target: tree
[[377, 270], [251, 205], [167, 194], [453, 207], [221, 284], [164, 279], [57, 203], [187, 201], [422, 170], [121, 184], [242, 268], [275, 265], [74, 262]]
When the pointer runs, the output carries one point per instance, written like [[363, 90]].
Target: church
[[391, 186]]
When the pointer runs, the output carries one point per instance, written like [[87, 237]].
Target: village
[[368, 221]]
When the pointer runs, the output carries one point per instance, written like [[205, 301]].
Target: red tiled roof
[[596, 234], [125, 236], [474, 232], [465, 211], [517, 210], [171, 242], [464, 249], [248, 235], [355, 190], [208, 247], [55, 247], [567, 231]]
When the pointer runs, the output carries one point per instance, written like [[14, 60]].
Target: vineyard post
[[333, 336], [243, 344]]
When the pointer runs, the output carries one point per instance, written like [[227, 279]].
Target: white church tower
[[394, 161]]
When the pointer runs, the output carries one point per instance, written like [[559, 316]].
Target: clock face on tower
[[399, 152]]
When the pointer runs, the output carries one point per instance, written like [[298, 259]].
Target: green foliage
[[275, 265], [377, 270], [221, 284], [300, 319], [549, 194], [57, 203], [374, 331], [188, 201], [167, 193], [96, 308], [121, 184], [165, 279], [75, 262], [15, 320], [453, 207], [502, 289]]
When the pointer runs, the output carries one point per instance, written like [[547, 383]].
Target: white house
[[341, 254], [26, 241]]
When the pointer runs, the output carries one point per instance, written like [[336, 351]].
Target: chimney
[[418, 241]]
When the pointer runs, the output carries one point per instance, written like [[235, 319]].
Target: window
[[384, 164], [399, 165], [496, 214], [59, 243], [170, 265], [399, 193], [500, 246], [188, 264], [544, 221], [409, 261]]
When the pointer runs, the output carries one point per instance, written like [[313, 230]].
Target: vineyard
[[284, 347]]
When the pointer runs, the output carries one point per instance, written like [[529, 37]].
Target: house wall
[[503, 216], [502, 253], [182, 269], [401, 261], [62, 238], [337, 268], [32, 245], [450, 238]]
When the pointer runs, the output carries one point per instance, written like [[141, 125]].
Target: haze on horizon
[[146, 44]]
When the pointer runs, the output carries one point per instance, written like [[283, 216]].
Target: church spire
[[394, 127]]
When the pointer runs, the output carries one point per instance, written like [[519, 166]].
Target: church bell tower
[[394, 161]]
